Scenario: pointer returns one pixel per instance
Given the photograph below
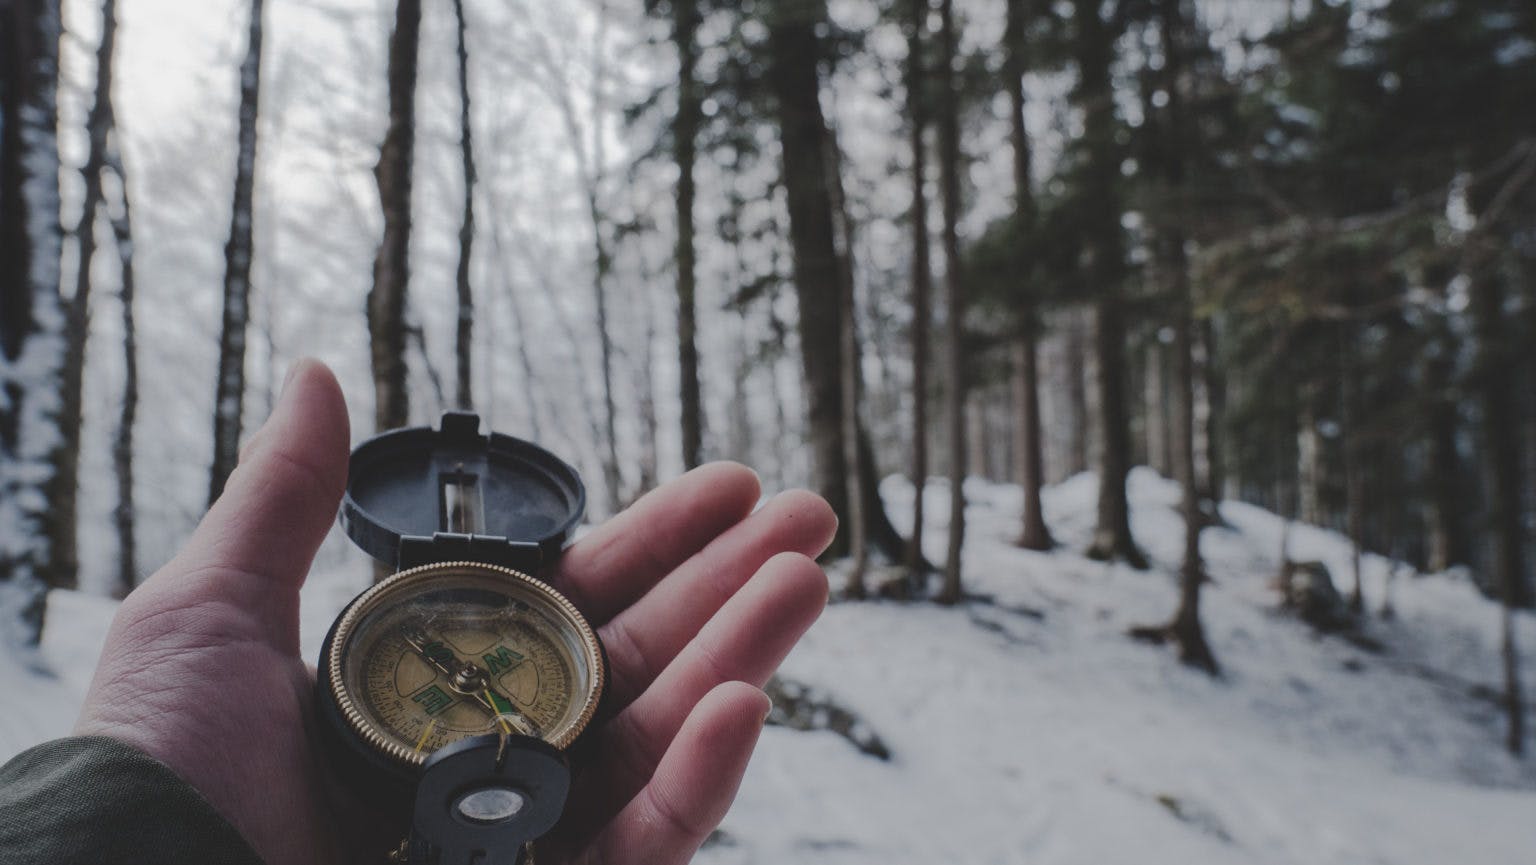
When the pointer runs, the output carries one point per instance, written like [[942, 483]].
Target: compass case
[[418, 495]]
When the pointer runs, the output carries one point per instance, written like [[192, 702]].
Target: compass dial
[[447, 651]]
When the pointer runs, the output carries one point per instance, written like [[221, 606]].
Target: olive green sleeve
[[96, 800]]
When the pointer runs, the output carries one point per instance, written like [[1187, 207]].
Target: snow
[[1026, 728]]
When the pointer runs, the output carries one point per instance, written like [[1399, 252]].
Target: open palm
[[697, 599]]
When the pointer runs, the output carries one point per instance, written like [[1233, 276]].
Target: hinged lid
[[420, 495]]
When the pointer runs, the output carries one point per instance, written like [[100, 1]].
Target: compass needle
[[424, 734]]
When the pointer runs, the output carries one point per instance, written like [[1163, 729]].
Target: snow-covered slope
[[1030, 730], [1026, 728]]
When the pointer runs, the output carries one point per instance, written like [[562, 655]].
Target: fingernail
[[768, 710]]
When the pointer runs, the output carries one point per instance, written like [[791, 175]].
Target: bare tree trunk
[[796, 85], [1186, 629], [1033, 535], [1106, 269], [1309, 468], [1077, 395], [954, 283], [31, 314], [645, 390], [922, 278], [464, 336], [229, 390], [1213, 384], [1354, 472], [1159, 435], [1496, 375], [685, 131], [64, 571], [124, 514], [858, 532], [1447, 535], [391, 267]]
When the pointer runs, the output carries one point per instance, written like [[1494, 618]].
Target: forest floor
[[1025, 727]]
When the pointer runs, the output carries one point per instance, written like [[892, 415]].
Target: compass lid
[[419, 495]]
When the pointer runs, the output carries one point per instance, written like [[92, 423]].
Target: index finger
[[619, 561]]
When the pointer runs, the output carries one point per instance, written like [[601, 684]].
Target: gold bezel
[[370, 599]]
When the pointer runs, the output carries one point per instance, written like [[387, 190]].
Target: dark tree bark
[[1496, 376], [124, 514], [685, 133], [31, 314], [1210, 376], [954, 284], [1033, 534], [229, 392], [391, 266], [1355, 505], [1447, 532], [922, 279], [858, 533], [792, 74], [1076, 367], [464, 332], [1169, 241], [1105, 267], [64, 571], [794, 81]]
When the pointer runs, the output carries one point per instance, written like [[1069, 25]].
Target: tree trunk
[[1033, 535], [1495, 377], [1214, 479], [922, 279], [124, 514], [858, 533], [229, 391], [1447, 535], [31, 314], [1077, 395], [1309, 460], [1173, 265], [1159, 432], [464, 335], [1352, 417], [685, 132], [954, 285], [391, 266], [64, 571], [849, 359], [794, 78], [1105, 268]]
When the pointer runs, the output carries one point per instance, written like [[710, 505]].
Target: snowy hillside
[[1028, 729]]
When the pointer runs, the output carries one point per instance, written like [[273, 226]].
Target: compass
[[451, 690]]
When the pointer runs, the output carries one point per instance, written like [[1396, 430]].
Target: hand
[[696, 598]]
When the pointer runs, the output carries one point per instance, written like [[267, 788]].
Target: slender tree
[[124, 513], [229, 391], [464, 333], [391, 266], [1104, 266], [793, 76], [31, 315], [922, 277], [1033, 535], [954, 285], [1172, 267], [63, 572], [685, 134]]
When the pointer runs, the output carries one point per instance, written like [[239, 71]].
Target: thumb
[[254, 546]]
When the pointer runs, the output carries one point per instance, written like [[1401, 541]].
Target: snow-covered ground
[[1026, 728]]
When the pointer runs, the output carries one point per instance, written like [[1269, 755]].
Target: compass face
[[447, 651]]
